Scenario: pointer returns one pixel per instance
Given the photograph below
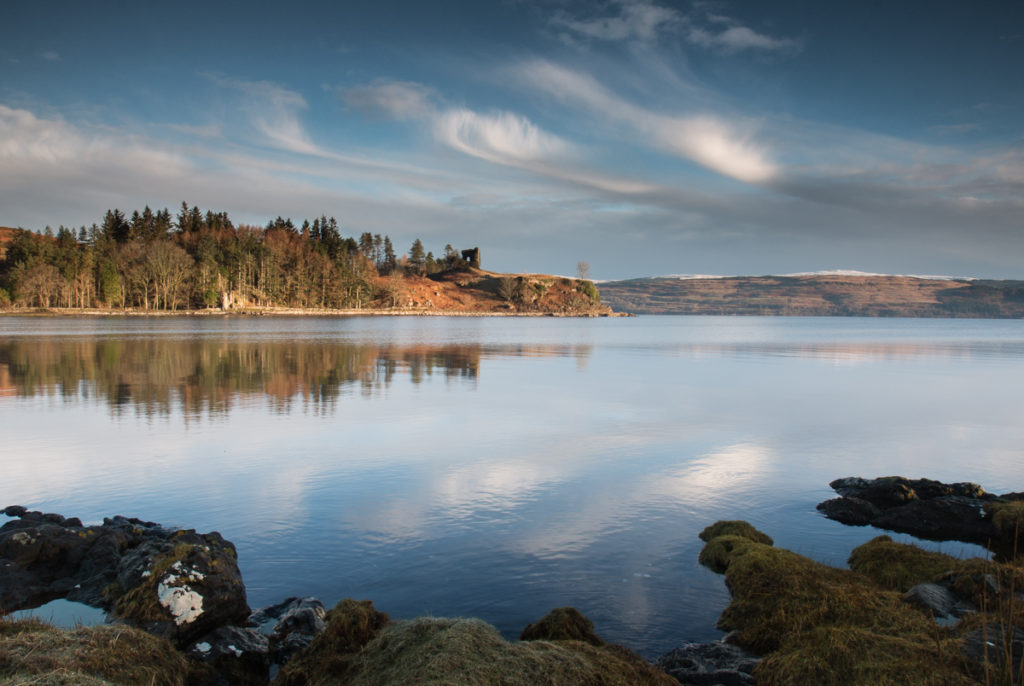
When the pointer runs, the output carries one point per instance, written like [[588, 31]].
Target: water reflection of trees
[[209, 376]]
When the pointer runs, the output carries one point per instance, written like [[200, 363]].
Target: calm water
[[500, 467]]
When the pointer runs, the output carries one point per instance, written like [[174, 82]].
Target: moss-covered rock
[[818, 624], [360, 647], [562, 624], [735, 527], [328, 659], [899, 566]]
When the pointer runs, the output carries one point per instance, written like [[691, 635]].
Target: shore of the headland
[[898, 615], [293, 312]]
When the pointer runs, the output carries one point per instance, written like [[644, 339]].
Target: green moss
[[562, 624], [899, 566], [819, 624], [735, 527], [469, 652], [1008, 521], [850, 655], [350, 626]]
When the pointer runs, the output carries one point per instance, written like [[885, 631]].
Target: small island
[[153, 263]]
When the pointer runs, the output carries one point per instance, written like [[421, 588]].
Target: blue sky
[[643, 137]]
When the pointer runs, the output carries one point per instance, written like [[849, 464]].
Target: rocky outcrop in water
[[932, 510], [174, 583]]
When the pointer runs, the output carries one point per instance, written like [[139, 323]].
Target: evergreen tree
[[417, 257], [390, 260]]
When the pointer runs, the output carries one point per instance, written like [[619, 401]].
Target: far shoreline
[[291, 312]]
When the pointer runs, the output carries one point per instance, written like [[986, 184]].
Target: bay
[[500, 467]]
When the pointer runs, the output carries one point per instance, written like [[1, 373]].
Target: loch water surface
[[500, 467]]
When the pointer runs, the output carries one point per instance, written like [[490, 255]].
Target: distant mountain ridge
[[833, 293]]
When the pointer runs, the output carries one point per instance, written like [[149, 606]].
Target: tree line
[[156, 261]]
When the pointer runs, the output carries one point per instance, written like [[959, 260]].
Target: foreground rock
[[173, 583], [708, 664], [362, 646], [933, 510], [291, 625]]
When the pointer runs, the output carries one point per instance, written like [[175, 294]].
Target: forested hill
[[156, 262], [817, 295]]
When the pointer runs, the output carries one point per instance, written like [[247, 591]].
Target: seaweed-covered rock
[[706, 664], [171, 582]]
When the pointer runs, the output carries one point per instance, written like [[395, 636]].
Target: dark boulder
[[935, 599], [996, 647], [700, 664], [850, 510], [174, 583], [930, 509], [236, 655], [291, 625]]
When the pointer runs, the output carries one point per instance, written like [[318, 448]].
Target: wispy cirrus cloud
[[724, 146], [502, 137], [273, 111], [394, 99], [643, 21], [737, 38]]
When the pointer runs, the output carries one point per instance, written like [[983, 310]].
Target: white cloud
[[503, 137], [50, 56], [395, 99], [274, 113], [711, 141], [643, 21], [716, 145], [738, 38], [636, 21], [30, 144]]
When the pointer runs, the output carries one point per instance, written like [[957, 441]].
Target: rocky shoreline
[[180, 615]]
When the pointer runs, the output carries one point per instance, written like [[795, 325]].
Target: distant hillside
[[817, 295]]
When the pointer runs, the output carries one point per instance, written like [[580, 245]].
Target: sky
[[645, 137]]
